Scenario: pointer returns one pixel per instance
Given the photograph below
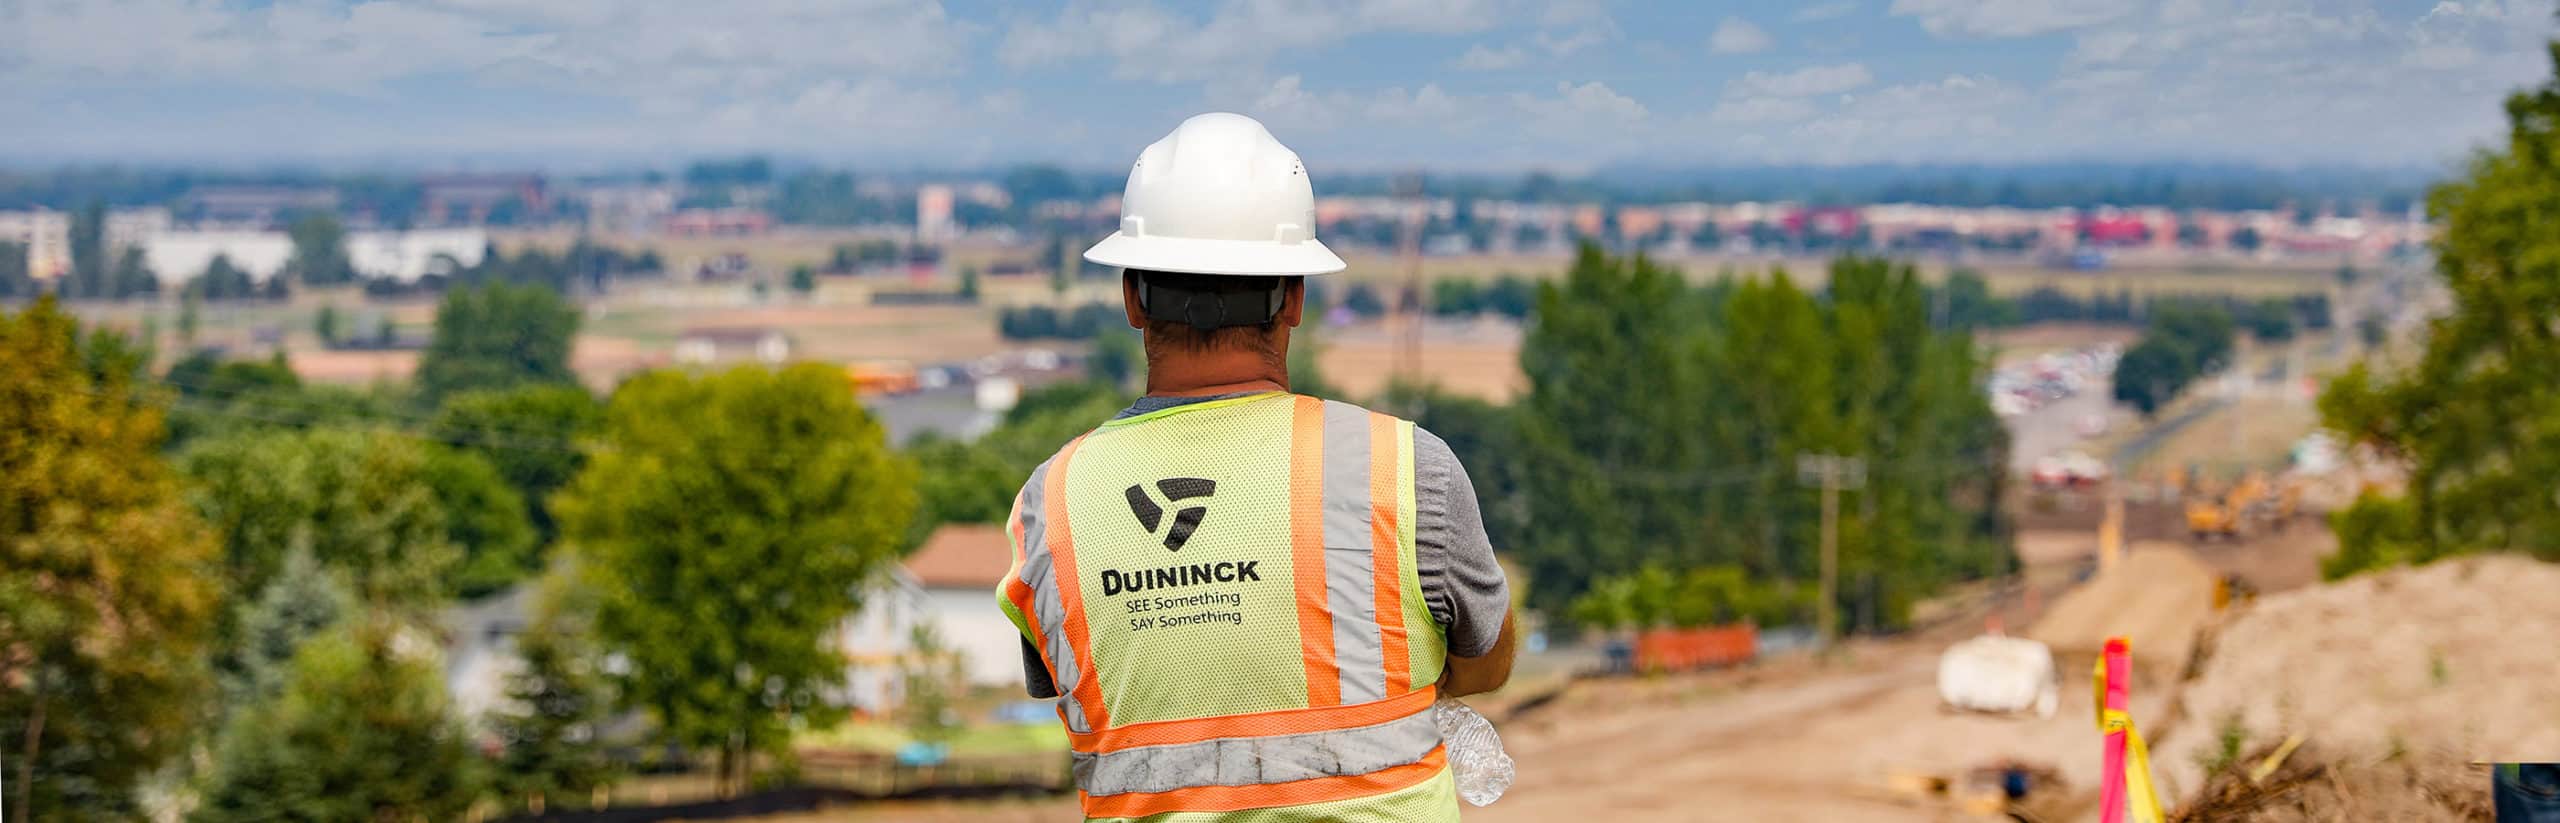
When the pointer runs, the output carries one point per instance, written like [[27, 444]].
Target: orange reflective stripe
[[1267, 795], [1261, 724], [1306, 538], [1062, 560], [1385, 540], [1021, 594]]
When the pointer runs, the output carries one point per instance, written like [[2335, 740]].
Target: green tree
[[1697, 468], [532, 434], [2149, 375], [190, 315], [495, 337], [1119, 359], [366, 503], [302, 601], [728, 524], [326, 325], [969, 283], [804, 279], [87, 279], [1610, 456], [485, 517], [552, 726], [222, 280], [132, 276], [15, 279], [319, 251], [362, 730], [2476, 419], [106, 584], [931, 679]]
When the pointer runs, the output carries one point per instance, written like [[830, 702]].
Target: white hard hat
[[1219, 195]]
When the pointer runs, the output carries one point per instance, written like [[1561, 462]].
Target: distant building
[[46, 234], [470, 199], [948, 584], [127, 228], [716, 223], [407, 256], [178, 257], [933, 214], [255, 207], [628, 209], [722, 345]]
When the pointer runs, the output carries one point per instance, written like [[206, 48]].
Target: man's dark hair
[[1207, 312]]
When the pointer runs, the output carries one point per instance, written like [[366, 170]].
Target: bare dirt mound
[[2452, 661], [2159, 597]]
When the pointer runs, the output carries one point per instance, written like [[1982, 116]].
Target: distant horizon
[[2210, 185]]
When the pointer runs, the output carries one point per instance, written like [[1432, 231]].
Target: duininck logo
[[1176, 489]]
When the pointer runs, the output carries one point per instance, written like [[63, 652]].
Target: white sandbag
[[1998, 674]]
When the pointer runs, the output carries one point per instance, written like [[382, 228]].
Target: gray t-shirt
[[1465, 588]]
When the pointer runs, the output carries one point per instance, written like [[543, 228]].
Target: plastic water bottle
[[1476, 758]]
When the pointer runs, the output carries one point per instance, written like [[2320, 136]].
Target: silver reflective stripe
[[1254, 761], [1350, 578], [1037, 573]]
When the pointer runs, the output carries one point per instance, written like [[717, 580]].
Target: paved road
[[2053, 428]]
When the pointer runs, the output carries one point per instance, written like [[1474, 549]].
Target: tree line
[[221, 584]]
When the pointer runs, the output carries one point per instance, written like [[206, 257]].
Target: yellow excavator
[[2225, 516]]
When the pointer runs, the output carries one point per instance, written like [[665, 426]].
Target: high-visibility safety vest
[[1225, 595]]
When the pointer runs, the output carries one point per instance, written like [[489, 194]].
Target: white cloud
[[1565, 46], [2295, 80], [1592, 99], [1146, 40], [1737, 36], [1754, 110], [1481, 58], [637, 50], [1833, 10], [2008, 18], [1951, 115], [1804, 82]]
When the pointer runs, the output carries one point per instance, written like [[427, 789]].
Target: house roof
[[958, 555]]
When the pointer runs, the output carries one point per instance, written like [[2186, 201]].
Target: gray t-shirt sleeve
[[1454, 559], [1035, 673]]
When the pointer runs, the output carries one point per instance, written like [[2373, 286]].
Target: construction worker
[[1246, 600]]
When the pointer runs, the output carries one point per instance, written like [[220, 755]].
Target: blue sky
[[1466, 85]]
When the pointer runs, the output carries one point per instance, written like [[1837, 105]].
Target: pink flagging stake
[[2116, 669]]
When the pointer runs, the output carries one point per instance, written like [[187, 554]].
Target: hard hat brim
[[1241, 258]]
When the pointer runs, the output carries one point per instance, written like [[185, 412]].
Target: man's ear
[[1293, 302], [1129, 300]]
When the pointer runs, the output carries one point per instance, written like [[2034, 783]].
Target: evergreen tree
[[303, 600], [557, 705], [362, 730]]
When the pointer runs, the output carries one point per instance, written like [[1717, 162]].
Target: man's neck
[[1203, 375]]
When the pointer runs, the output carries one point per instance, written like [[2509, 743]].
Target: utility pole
[[1413, 213], [1832, 473]]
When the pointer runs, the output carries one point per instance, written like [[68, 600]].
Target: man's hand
[[1477, 675]]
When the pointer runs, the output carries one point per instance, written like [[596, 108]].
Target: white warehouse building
[[179, 257]]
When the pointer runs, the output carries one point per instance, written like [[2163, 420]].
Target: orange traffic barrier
[[1687, 649]]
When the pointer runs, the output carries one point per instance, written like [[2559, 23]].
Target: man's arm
[[1477, 675], [1462, 582]]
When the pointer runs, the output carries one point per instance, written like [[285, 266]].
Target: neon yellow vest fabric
[[1225, 593]]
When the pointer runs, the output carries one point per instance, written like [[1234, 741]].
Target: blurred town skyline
[[1473, 86]]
